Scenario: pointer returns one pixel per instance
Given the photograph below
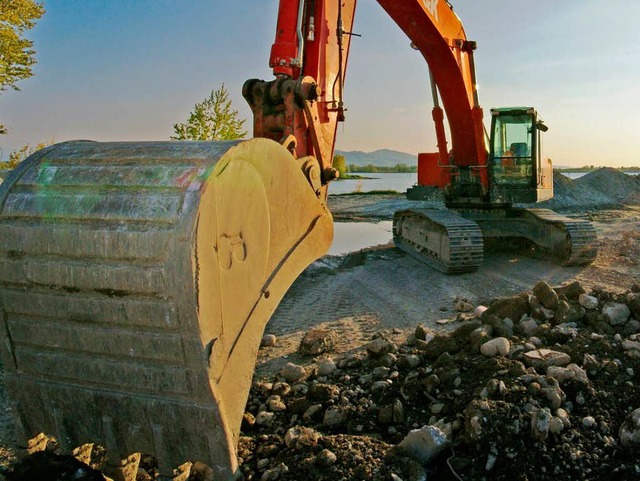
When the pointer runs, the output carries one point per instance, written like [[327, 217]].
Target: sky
[[129, 70]]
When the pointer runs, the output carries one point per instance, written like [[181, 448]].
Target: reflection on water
[[387, 181], [353, 236]]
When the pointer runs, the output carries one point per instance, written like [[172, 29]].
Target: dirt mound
[[622, 188], [602, 187], [568, 193]]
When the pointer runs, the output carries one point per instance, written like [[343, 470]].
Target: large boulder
[[496, 347], [633, 301], [425, 444], [587, 301], [317, 341], [571, 291], [513, 307], [630, 430], [546, 295], [380, 346], [616, 313]]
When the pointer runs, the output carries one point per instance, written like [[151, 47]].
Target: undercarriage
[[452, 240]]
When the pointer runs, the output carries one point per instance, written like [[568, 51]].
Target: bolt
[[330, 174]]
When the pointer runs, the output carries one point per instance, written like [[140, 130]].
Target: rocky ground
[[376, 367], [542, 385], [551, 395]]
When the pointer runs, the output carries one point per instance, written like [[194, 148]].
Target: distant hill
[[379, 158]]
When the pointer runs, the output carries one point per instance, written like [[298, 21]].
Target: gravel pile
[[568, 194], [543, 385], [623, 188], [602, 187]]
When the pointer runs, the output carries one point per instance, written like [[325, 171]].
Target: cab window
[[512, 147]]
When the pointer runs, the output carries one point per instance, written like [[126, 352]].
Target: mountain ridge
[[379, 158]]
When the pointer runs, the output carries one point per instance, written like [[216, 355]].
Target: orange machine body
[[309, 59]]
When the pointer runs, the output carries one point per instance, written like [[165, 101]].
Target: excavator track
[[578, 246], [442, 239], [136, 280], [560, 239]]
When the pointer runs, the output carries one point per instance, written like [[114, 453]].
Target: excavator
[[136, 278]]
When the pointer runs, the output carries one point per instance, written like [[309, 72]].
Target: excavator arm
[[309, 60], [303, 105]]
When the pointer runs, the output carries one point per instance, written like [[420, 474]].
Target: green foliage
[[212, 119], [340, 164], [16, 52], [376, 169], [22, 153]]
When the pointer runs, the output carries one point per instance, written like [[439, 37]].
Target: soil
[[485, 404], [382, 293]]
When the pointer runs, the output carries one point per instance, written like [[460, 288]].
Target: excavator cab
[[519, 173]]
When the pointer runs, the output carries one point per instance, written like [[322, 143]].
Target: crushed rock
[[560, 403]]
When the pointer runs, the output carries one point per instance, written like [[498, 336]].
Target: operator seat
[[519, 149]]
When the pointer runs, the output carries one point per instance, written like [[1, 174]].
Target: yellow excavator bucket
[[136, 280]]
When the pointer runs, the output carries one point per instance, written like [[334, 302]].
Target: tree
[[23, 152], [16, 52], [212, 119], [340, 165]]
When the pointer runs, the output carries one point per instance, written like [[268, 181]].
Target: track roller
[[440, 238], [560, 239]]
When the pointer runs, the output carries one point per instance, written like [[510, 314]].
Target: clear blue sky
[[127, 70]]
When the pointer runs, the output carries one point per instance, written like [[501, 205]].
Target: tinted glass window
[[512, 146]]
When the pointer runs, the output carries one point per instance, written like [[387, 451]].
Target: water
[[574, 175], [398, 182], [353, 236]]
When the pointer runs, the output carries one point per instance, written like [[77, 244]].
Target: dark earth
[[484, 404]]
